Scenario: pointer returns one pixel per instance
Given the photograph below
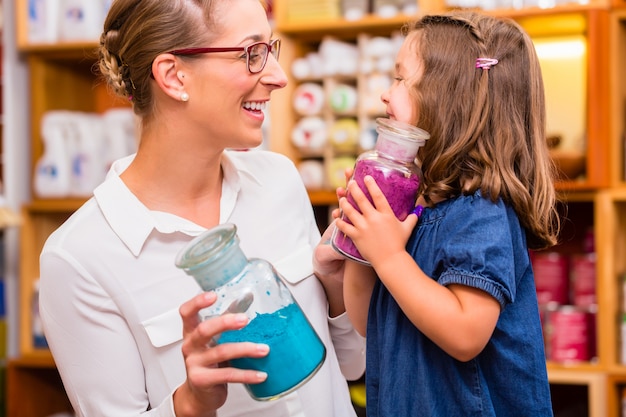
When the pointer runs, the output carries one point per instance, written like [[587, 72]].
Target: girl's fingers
[[348, 212], [358, 196], [378, 198]]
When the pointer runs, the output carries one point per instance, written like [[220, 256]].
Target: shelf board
[[556, 368], [60, 205], [317, 29], [57, 48], [323, 197], [38, 359]]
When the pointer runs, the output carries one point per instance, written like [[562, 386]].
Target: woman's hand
[[208, 372], [328, 264]]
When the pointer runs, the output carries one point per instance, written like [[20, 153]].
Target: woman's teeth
[[254, 105]]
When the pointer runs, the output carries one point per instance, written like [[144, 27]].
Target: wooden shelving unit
[[62, 78]]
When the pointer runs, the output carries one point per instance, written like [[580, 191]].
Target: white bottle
[[52, 176], [87, 158], [39, 338], [82, 19], [43, 21], [120, 133]]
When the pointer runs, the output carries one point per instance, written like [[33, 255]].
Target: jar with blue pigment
[[252, 286]]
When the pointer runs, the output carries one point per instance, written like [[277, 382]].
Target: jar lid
[[404, 129], [400, 139], [214, 257]]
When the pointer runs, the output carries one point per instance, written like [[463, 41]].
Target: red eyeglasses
[[256, 54]]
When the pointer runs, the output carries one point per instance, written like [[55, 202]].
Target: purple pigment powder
[[399, 188], [296, 352]]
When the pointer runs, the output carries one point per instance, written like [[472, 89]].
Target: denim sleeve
[[478, 246]]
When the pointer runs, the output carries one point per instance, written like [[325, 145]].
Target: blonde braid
[[112, 67]]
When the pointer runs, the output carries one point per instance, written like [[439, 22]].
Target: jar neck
[[395, 148], [398, 140], [220, 270]]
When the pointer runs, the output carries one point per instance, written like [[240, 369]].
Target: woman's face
[[226, 100], [400, 103]]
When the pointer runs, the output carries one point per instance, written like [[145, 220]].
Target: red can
[[583, 275], [571, 334], [551, 271]]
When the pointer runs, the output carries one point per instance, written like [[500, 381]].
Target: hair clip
[[485, 63]]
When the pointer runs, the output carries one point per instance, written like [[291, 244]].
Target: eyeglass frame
[[273, 45]]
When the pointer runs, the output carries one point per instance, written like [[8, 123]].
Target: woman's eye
[[254, 57]]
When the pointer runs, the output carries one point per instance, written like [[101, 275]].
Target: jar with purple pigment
[[252, 286], [392, 164]]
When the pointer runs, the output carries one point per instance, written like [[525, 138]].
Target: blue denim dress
[[470, 241]]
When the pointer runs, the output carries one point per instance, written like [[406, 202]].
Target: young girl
[[449, 307]]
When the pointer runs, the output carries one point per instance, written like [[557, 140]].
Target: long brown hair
[[487, 126]]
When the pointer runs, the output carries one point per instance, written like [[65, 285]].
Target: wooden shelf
[[315, 30], [34, 389], [62, 77]]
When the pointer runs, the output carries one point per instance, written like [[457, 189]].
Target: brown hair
[[137, 31], [487, 126]]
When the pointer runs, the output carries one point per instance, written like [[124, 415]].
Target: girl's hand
[[208, 372], [375, 230]]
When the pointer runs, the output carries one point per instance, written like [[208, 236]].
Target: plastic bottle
[[82, 19], [43, 21], [87, 160], [39, 338], [253, 286], [120, 134], [392, 164], [53, 170]]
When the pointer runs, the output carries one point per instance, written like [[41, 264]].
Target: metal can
[[583, 279], [551, 270], [570, 334]]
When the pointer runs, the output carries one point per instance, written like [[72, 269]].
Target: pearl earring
[[184, 96]]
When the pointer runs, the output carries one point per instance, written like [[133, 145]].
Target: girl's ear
[[169, 78]]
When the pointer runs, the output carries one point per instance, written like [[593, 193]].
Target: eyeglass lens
[[257, 55]]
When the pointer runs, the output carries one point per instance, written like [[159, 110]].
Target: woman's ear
[[168, 76]]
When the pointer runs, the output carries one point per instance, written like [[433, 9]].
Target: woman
[[120, 319]]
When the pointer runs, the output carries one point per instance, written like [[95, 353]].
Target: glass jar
[[392, 164], [254, 287]]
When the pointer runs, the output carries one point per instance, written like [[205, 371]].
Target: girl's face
[[227, 102], [400, 103]]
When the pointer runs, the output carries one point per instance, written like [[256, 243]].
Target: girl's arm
[[358, 285], [459, 319]]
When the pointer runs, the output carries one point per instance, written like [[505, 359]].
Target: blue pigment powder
[[296, 351]]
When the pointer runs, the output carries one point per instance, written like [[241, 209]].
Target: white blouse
[[110, 294]]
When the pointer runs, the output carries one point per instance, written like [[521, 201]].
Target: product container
[[254, 287], [392, 163]]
